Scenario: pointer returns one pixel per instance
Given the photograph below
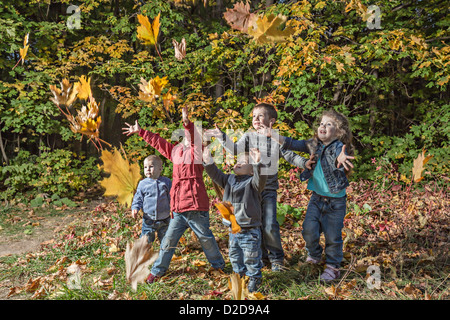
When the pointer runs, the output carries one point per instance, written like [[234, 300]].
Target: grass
[[412, 256]]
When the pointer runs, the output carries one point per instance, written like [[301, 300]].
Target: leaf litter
[[404, 233]]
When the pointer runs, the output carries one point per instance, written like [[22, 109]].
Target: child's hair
[[154, 158], [343, 131], [269, 109]]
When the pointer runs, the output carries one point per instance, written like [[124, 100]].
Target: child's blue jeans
[[198, 221], [153, 227], [271, 244], [245, 252], [325, 214]]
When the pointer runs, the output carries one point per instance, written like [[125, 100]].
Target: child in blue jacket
[[153, 197]]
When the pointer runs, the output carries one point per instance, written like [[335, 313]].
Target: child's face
[[327, 131], [242, 166], [152, 169], [260, 116]]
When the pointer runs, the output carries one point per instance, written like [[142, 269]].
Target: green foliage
[[391, 82], [57, 172]]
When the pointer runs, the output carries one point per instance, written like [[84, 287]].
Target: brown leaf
[[138, 257], [239, 17], [180, 49], [64, 96]]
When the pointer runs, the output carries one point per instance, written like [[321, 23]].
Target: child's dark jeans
[[325, 214], [152, 227]]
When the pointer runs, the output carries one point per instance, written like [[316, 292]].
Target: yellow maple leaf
[[124, 176], [147, 32], [83, 87], [151, 90], [268, 29], [418, 166], [23, 51]]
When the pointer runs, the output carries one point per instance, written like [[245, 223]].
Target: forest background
[[386, 70]]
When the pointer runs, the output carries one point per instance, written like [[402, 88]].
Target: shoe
[[151, 279], [253, 284], [329, 274], [277, 266], [311, 260]]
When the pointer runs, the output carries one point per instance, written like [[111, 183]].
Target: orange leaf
[[226, 210]]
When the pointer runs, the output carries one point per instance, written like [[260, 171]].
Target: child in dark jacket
[[243, 190]]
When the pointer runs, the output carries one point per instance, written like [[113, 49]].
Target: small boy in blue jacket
[[153, 197]]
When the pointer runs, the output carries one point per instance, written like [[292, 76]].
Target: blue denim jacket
[[335, 177], [153, 197]]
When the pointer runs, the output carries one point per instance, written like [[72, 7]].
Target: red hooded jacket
[[188, 191]]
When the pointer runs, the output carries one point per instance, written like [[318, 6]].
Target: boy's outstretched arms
[[131, 129]]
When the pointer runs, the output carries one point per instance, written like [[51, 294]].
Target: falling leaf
[[83, 87], [138, 257], [268, 29], [418, 166], [180, 49], [87, 121], [226, 210], [23, 51], [236, 286], [151, 90], [239, 17], [124, 176], [147, 32], [64, 96]]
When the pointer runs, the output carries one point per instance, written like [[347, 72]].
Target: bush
[[58, 172]]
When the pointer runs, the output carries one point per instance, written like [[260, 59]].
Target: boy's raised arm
[[211, 169], [227, 142], [258, 180]]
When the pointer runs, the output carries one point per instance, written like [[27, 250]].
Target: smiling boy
[[265, 115]]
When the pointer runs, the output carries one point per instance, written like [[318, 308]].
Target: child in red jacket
[[189, 200]]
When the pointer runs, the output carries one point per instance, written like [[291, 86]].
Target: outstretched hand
[[255, 154], [310, 162], [217, 133], [344, 160], [264, 130], [185, 115], [131, 129], [207, 158]]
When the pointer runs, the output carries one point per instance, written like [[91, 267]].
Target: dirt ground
[[21, 243]]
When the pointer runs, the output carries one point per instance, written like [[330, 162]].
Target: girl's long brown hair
[[344, 132]]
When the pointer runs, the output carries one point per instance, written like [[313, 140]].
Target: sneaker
[[277, 266], [330, 273], [311, 260], [253, 284], [151, 279]]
